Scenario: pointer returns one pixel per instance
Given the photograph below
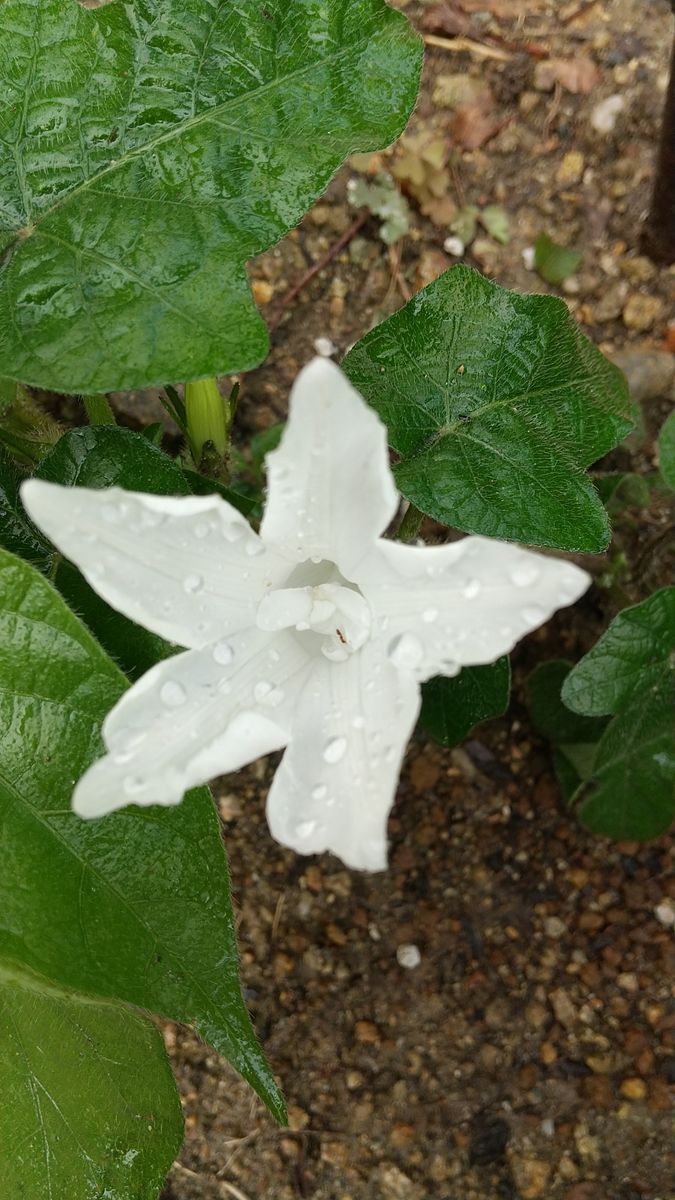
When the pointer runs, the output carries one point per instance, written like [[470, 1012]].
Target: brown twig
[[580, 11], [554, 109], [480, 49], [222, 1185], [318, 266], [395, 253]]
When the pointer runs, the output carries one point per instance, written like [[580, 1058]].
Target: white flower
[[314, 635]]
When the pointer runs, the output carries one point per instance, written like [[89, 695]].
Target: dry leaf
[[446, 19], [577, 75], [476, 122]]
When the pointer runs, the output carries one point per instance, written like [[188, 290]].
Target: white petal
[[337, 780], [437, 609], [189, 568], [194, 716], [330, 488]]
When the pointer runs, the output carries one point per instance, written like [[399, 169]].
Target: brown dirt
[[530, 1052]]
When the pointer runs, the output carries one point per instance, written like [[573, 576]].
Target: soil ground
[[530, 1052]]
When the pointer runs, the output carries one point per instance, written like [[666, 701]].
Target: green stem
[[208, 418], [410, 525], [98, 410]]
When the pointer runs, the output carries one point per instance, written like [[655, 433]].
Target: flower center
[[330, 615]]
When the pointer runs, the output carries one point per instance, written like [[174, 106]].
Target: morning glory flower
[[313, 635]]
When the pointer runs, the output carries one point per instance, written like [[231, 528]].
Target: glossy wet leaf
[[630, 674], [495, 403], [452, 707], [135, 906], [667, 451], [149, 149], [89, 1105]]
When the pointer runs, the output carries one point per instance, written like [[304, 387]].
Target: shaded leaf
[[452, 707], [667, 451], [547, 711], [134, 191], [89, 1105], [135, 906], [495, 403], [17, 531]]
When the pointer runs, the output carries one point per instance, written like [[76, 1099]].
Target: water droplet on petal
[[111, 514], [202, 529], [274, 656], [524, 574], [472, 589], [192, 584], [233, 532], [334, 750], [223, 653], [406, 651], [319, 792], [429, 615], [133, 784], [534, 614], [358, 721], [305, 829], [254, 547], [172, 694], [267, 694]]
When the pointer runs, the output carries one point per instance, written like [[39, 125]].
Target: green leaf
[[135, 906], [630, 673], [667, 451], [17, 531], [89, 1105], [201, 485], [495, 220], [149, 149], [553, 262], [101, 456], [451, 707], [622, 490], [547, 711], [496, 403]]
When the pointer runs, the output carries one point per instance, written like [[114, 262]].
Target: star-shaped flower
[[313, 635]]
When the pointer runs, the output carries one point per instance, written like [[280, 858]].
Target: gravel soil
[[492, 1017]]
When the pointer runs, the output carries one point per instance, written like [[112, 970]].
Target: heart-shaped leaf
[[451, 707], [89, 1105], [496, 403], [630, 674], [135, 906], [147, 150]]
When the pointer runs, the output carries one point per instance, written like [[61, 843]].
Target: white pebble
[[408, 956]]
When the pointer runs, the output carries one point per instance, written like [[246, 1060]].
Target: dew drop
[[274, 656], [533, 614], [267, 694], [202, 529], [406, 651], [319, 792], [110, 513], [358, 722], [334, 750], [233, 532], [254, 547], [133, 784], [192, 584], [223, 654], [305, 829], [172, 694], [429, 615], [524, 574], [472, 589]]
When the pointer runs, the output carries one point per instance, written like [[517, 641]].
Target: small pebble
[[408, 956], [603, 116]]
